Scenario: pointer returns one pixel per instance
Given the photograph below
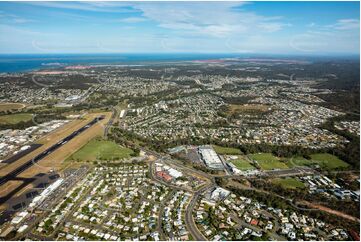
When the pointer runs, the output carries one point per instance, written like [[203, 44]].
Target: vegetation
[[272, 200], [5, 107], [24, 120], [300, 161], [268, 161], [102, 150], [351, 151], [288, 183], [15, 118], [242, 164], [328, 161], [346, 206], [226, 150]]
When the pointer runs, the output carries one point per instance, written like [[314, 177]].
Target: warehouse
[[210, 158]]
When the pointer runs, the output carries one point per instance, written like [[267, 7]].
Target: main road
[[191, 225]]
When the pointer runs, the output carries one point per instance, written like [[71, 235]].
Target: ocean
[[12, 63], [30, 62]]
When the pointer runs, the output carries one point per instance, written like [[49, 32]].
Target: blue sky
[[310, 28]]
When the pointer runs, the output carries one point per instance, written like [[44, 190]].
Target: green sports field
[[102, 150], [242, 164], [267, 161], [220, 150], [328, 161], [289, 183], [300, 161], [15, 118]]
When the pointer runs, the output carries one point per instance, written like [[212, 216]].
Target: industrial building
[[210, 157]]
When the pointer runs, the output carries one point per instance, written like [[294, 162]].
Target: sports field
[[267, 161], [328, 161], [220, 150], [102, 150], [242, 164], [15, 118], [300, 161], [10, 106], [289, 183]]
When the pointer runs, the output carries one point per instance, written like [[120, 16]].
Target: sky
[[304, 28]]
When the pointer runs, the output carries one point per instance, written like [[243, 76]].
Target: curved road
[[189, 220]]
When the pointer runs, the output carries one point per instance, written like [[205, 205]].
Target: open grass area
[[300, 161], [15, 118], [102, 150], [10, 106], [328, 161], [226, 150], [242, 164], [288, 183], [267, 161]]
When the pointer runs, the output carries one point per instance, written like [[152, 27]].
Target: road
[[160, 215], [189, 220], [110, 122]]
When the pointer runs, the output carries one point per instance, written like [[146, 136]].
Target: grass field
[[102, 150], [15, 118], [289, 183], [242, 164], [328, 161], [226, 150], [10, 106], [300, 161], [267, 161]]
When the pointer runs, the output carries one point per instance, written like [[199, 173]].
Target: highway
[[11, 175]]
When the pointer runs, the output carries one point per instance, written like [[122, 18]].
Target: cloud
[[326, 39], [272, 27], [311, 25], [133, 20], [86, 6], [170, 27], [213, 18], [13, 19], [346, 24], [22, 20]]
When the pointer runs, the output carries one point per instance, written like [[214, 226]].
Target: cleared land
[[242, 164], [15, 118], [247, 108], [102, 150], [267, 161], [226, 150], [288, 183], [328, 161], [11, 106]]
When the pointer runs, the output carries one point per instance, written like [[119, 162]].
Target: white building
[[210, 158], [219, 194]]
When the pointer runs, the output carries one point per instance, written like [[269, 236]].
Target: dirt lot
[[55, 160], [247, 108]]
